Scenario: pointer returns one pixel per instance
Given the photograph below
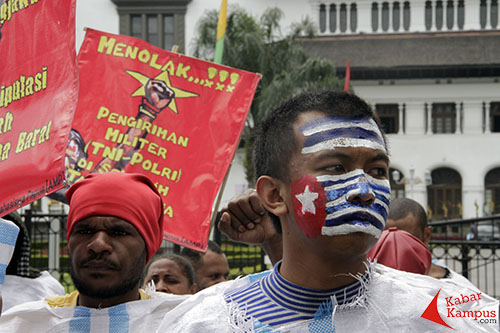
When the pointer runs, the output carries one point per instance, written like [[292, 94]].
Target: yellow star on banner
[[163, 76]]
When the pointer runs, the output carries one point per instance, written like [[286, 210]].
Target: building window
[[397, 182], [449, 14], [494, 14], [343, 18], [444, 118], [389, 117], [461, 14], [492, 192], [428, 15], [445, 194], [158, 22], [322, 18], [374, 16], [385, 16], [354, 17], [439, 15], [333, 18], [406, 16], [396, 15], [482, 14], [495, 116]]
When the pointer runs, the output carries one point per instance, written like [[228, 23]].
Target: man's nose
[[99, 243], [161, 286], [361, 193]]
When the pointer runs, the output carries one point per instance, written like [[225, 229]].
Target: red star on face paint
[[309, 205]]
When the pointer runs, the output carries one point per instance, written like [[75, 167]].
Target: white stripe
[[336, 178], [367, 125], [351, 210], [343, 199], [342, 142], [5, 253], [345, 229]]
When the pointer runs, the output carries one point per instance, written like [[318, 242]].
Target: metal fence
[[470, 247]]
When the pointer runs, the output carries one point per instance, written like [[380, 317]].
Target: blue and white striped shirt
[[274, 301]]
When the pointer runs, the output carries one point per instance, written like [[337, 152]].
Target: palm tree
[[258, 46]]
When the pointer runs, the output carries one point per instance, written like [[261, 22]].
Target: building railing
[[470, 247]]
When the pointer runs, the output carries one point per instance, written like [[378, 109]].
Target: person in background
[[210, 267], [170, 273]]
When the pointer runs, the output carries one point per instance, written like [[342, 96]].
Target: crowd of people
[[346, 258]]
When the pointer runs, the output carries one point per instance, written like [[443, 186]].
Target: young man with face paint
[[322, 167]]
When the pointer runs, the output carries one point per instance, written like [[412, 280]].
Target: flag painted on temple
[[38, 94], [173, 118], [221, 32], [347, 76]]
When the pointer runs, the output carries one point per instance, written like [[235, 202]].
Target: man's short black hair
[[275, 141], [195, 257], [401, 207]]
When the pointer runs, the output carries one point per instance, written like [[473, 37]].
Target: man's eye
[[378, 172], [336, 168], [84, 232], [119, 233]]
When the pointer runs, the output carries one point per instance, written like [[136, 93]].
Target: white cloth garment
[[18, 289], [392, 301], [143, 315]]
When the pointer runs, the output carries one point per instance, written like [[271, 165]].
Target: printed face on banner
[[173, 118], [341, 181]]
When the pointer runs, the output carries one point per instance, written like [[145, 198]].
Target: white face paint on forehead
[[332, 132]]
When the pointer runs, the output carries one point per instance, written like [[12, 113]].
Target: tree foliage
[[257, 45]]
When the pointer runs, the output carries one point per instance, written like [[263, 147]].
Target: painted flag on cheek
[[309, 203]]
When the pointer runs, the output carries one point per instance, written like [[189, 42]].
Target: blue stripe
[[8, 233], [3, 269], [380, 188], [375, 207], [331, 119], [332, 195], [351, 132], [355, 219], [80, 323], [118, 319]]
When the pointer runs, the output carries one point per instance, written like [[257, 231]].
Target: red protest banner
[[173, 118], [38, 91]]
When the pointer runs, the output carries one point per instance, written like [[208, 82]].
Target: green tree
[[257, 45]]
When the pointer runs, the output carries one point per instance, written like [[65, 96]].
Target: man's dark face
[[214, 269], [108, 256]]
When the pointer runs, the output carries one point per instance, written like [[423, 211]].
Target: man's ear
[[427, 234], [271, 193]]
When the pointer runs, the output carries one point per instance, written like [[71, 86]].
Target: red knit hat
[[129, 196], [401, 250]]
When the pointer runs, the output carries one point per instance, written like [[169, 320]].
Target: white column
[[472, 15], [417, 16], [401, 118], [487, 126], [415, 118], [473, 117], [327, 19], [364, 17], [472, 194]]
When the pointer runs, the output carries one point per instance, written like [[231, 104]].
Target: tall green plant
[[257, 45]]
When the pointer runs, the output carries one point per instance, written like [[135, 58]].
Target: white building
[[430, 68]]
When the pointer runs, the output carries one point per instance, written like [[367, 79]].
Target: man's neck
[[98, 303], [319, 270]]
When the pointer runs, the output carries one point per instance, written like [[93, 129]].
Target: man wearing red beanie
[[114, 227]]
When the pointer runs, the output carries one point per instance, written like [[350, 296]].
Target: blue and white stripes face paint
[[333, 132], [341, 204]]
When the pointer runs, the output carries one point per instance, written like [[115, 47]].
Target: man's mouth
[[99, 265]]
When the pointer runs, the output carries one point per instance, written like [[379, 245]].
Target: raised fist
[[158, 95]]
